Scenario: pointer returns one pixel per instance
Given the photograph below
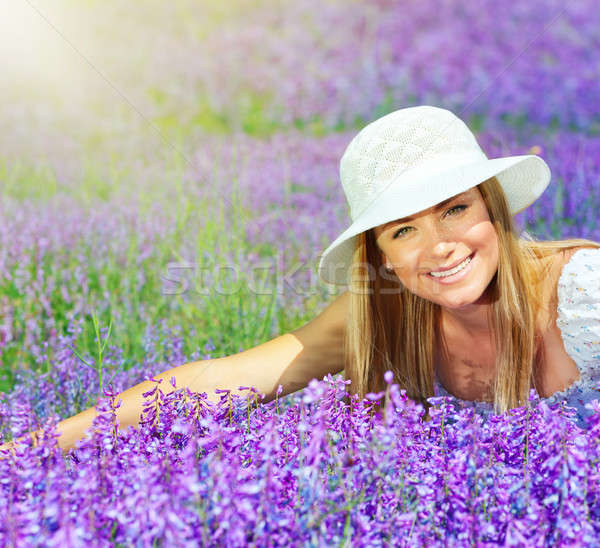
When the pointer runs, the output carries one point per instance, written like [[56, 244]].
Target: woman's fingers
[[10, 445], [6, 449]]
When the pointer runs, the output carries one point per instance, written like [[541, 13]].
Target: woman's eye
[[459, 208], [399, 231], [456, 207]]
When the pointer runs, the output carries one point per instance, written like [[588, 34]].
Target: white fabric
[[579, 309], [402, 142]]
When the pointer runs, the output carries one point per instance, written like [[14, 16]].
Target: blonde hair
[[390, 328]]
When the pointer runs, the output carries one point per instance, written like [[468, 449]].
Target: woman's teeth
[[452, 271]]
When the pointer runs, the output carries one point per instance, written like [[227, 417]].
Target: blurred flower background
[[171, 168]]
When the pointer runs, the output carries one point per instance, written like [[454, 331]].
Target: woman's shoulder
[[560, 272], [567, 254], [555, 264], [570, 260], [569, 269]]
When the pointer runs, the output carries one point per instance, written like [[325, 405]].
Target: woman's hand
[[10, 445]]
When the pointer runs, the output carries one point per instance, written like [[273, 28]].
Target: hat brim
[[523, 179]]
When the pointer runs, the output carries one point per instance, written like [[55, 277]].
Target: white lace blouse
[[578, 318]]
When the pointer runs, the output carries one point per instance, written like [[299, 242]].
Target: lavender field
[[168, 179]]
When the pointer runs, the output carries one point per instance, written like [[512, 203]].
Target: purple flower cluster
[[266, 97], [339, 62], [315, 468]]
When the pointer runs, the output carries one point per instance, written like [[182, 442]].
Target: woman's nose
[[440, 238], [442, 249]]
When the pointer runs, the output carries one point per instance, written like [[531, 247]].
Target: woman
[[453, 301]]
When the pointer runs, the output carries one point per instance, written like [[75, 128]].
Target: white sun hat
[[412, 159]]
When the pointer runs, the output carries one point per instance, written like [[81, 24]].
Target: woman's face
[[440, 237]]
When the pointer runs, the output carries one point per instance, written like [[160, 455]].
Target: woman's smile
[[458, 273]]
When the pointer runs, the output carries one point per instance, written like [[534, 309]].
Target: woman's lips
[[454, 265], [454, 277]]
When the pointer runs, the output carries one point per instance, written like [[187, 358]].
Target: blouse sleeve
[[578, 311]]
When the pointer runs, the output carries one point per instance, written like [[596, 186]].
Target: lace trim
[[585, 381], [579, 386]]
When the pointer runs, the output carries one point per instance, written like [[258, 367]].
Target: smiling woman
[[466, 335], [466, 304], [453, 293]]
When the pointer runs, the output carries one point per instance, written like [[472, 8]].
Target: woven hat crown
[[411, 142]]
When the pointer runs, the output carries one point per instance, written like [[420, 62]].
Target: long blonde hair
[[390, 328]]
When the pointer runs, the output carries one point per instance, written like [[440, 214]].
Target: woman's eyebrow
[[436, 208]]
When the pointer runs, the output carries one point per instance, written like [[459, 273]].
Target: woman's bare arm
[[292, 360]]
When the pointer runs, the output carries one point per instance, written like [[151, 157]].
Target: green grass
[[23, 181], [235, 319]]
